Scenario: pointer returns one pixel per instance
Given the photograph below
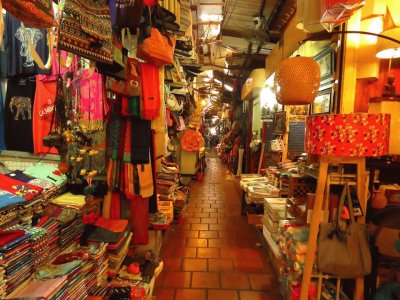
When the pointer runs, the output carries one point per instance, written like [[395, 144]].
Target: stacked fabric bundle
[[69, 200], [117, 235], [52, 227], [8, 216], [15, 257], [44, 289], [293, 244], [38, 238], [70, 226], [99, 260], [69, 267], [3, 284]]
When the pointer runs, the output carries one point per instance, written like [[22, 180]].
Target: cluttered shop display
[[106, 87]]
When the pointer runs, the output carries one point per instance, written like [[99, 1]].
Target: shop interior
[[200, 149]]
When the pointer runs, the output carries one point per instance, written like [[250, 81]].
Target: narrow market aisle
[[213, 255]]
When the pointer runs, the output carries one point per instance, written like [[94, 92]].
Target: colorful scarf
[[146, 185], [141, 138], [150, 106]]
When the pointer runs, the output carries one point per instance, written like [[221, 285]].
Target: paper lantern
[[358, 134], [297, 81]]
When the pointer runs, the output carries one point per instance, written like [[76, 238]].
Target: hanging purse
[[277, 145], [344, 250], [34, 13], [154, 47], [133, 81], [125, 13], [86, 30]]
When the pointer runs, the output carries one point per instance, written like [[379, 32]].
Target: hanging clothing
[[140, 141], [2, 142], [42, 113], [150, 106], [4, 51], [57, 69], [139, 216], [20, 61], [146, 185], [18, 114], [92, 100]]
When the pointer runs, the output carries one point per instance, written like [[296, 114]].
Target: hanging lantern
[[297, 81]]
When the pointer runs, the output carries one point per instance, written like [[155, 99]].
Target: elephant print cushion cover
[[21, 62], [18, 114]]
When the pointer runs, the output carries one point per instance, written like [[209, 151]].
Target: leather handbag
[[343, 249], [157, 49], [34, 13], [86, 30], [277, 145]]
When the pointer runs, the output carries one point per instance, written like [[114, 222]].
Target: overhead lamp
[[215, 92], [217, 81]]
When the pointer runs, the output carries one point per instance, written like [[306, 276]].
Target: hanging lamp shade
[[358, 134], [387, 49], [297, 80], [312, 16], [300, 14]]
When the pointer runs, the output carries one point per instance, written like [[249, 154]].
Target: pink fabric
[[55, 69], [91, 100]]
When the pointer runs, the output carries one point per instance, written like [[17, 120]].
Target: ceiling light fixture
[[217, 80], [228, 88]]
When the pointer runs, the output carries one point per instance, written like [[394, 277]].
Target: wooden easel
[[325, 161]]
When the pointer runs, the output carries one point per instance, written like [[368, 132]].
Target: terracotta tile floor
[[214, 255]]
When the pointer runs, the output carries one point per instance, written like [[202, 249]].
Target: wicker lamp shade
[[358, 134], [297, 81]]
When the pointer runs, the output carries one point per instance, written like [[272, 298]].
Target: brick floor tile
[[199, 227], [252, 295], [194, 264], [210, 210], [235, 281], [209, 220], [218, 227], [172, 264], [216, 215], [228, 234], [208, 234], [192, 220], [222, 295], [197, 242], [179, 252], [261, 281], [224, 221], [189, 234], [205, 280], [186, 294], [220, 265], [216, 243], [164, 293], [194, 209], [208, 253], [177, 279], [202, 215], [253, 265]]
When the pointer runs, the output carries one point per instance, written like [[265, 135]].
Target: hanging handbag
[[277, 145], [125, 13], [344, 250], [34, 13], [133, 81], [157, 49], [86, 30]]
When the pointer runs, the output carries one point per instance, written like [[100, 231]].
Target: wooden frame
[[323, 102], [326, 62], [279, 123]]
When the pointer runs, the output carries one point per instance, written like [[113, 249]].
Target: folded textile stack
[[70, 200], [70, 226], [8, 216], [43, 289], [274, 211], [3, 283], [252, 181], [293, 244], [52, 227], [75, 287], [117, 235], [267, 191], [15, 257], [38, 238], [100, 265], [167, 187]]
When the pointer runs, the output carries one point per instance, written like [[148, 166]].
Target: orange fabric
[[112, 225], [42, 112]]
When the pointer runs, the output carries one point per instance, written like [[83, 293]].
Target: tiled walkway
[[214, 255]]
